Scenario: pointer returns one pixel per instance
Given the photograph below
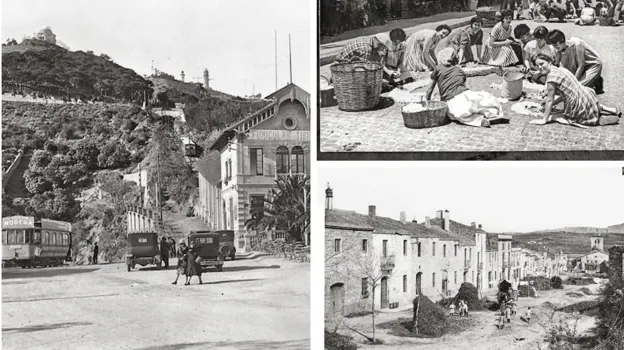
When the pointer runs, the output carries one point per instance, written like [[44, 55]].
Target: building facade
[[272, 142], [209, 208]]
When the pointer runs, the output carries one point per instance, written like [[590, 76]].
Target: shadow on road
[[44, 327], [156, 268], [59, 298], [44, 272], [234, 281], [248, 268], [287, 345]]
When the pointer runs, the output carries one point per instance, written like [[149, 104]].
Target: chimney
[[447, 221], [439, 214], [473, 224], [371, 212], [329, 198], [403, 220], [427, 221]]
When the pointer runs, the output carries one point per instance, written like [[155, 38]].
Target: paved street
[[261, 303], [383, 130]]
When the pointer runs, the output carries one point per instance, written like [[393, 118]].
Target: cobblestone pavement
[[383, 130]]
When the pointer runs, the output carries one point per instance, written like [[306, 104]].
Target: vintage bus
[[28, 242]]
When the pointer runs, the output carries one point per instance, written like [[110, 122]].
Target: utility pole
[[140, 186], [275, 60], [159, 189], [290, 58]]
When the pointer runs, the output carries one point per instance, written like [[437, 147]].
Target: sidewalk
[[329, 51]]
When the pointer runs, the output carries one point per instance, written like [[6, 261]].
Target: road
[[382, 130], [261, 303]]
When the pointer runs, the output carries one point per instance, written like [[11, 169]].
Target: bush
[[336, 341], [586, 291], [468, 293], [611, 318], [539, 282], [579, 281], [555, 282], [432, 320], [526, 291]]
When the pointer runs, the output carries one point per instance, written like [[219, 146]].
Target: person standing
[[193, 267], [164, 252], [528, 315], [96, 251], [173, 247], [182, 263], [452, 309]]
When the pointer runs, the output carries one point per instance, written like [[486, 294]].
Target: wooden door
[[384, 293], [337, 298]]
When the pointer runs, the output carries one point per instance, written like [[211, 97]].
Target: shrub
[[336, 341], [555, 282], [586, 291], [468, 293], [611, 318]]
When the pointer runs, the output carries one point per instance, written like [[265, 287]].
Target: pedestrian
[[465, 308], [96, 250], [580, 58], [498, 50], [164, 252], [580, 105], [193, 267], [452, 309], [616, 12], [182, 260], [514, 308], [508, 313], [173, 247], [528, 315], [501, 320]]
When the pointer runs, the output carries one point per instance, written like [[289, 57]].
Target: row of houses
[[404, 259], [243, 163]]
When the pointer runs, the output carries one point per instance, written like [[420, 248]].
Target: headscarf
[[446, 55]]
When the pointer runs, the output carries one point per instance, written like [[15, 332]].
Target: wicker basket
[[435, 115], [357, 85], [487, 13], [488, 23], [604, 21]]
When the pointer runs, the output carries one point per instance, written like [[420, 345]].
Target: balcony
[[388, 262], [467, 264], [480, 266]]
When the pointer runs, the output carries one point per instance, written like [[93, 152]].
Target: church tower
[[329, 198], [597, 242], [206, 79], [182, 76]]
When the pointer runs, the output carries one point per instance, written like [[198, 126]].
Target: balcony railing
[[388, 262]]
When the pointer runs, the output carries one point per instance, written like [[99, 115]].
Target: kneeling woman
[[475, 108], [580, 104]]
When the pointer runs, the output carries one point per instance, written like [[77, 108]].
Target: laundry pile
[[533, 109], [414, 108], [407, 93]]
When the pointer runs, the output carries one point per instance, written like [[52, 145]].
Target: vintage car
[[226, 237], [209, 248], [144, 250]]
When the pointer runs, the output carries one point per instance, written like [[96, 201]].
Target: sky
[[233, 39], [502, 199]]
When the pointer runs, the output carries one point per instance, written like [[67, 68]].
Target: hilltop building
[[591, 262], [45, 34], [273, 141]]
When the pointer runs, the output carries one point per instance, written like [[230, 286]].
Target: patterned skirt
[[582, 108], [414, 59], [501, 56]]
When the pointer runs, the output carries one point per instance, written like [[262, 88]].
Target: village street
[[254, 303], [383, 129], [516, 335]]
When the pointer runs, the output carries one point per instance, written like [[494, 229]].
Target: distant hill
[[37, 68], [180, 91], [574, 243], [595, 230]]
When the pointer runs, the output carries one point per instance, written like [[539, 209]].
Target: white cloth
[[470, 107]]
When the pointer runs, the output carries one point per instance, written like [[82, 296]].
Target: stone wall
[[616, 266]]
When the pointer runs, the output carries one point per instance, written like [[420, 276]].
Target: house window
[[385, 248], [405, 247], [455, 277], [455, 249], [257, 206], [364, 287], [433, 249], [472, 276], [444, 250], [228, 169], [256, 161], [433, 280], [282, 160], [337, 245], [418, 248], [404, 283], [365, 246], [297, 161]]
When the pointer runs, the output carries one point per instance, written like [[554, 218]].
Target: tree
[[106, 57], [371, 266], [86, 152], [287, 208]]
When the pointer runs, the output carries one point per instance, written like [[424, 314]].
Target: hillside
[[588, 230], [42, 69], [183, 92], [568, 242]]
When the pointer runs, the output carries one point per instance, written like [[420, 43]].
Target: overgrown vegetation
[[336, 341], [57, 72], [611, 318]]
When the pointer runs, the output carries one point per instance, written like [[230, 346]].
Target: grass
[[402, 327]]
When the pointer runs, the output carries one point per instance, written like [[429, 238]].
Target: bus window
[[66, 235], [54, 238], [20, 236], [4, 237], [46, 237], [11, 234], [28, 236], [37, 236]]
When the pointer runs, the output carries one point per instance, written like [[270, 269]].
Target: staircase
[[178, 225], [15, 186]]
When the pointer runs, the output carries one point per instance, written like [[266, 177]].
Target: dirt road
[[484, 335], [254, 303]]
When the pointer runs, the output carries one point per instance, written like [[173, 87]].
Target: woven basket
[[357, 85], [488, 23], [486, 14], [435, 115], [604, 21]]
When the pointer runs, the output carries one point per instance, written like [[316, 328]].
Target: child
[[508, 314], [528, 315], [501, 320], [452, 309], [580, 58], [514, 308]]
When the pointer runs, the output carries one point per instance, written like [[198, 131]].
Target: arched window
[[297, 161], [282, 160]]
